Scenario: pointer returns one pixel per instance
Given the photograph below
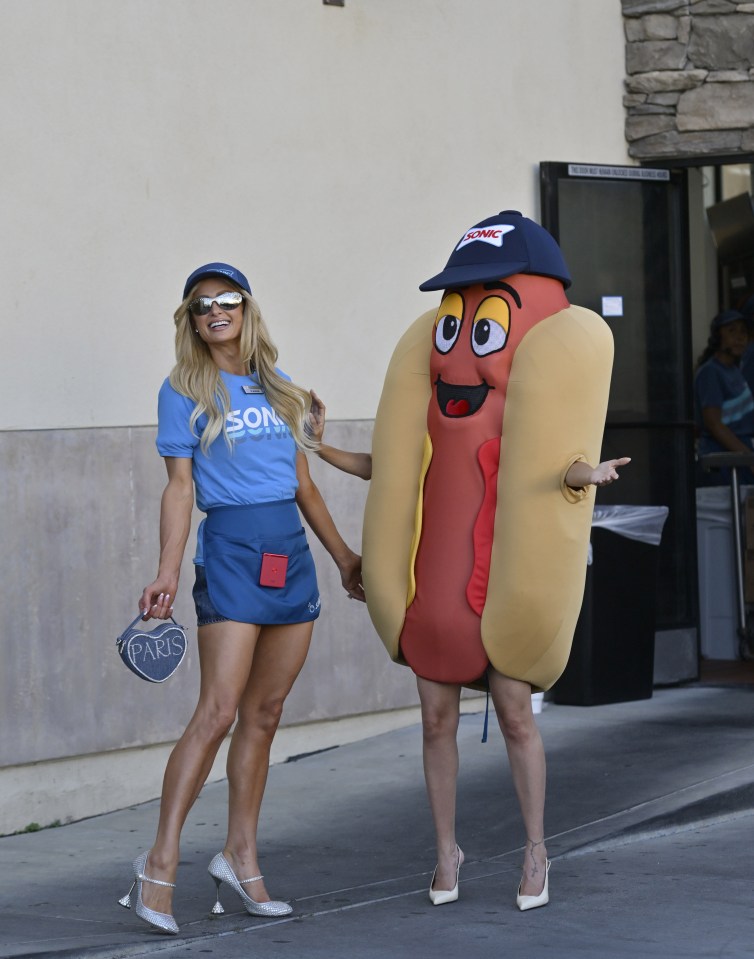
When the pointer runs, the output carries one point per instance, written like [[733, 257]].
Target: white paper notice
[[612, 306]]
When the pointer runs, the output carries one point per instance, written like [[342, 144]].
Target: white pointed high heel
[[531, 902], [221, 871], [439, 897], [162, 921]]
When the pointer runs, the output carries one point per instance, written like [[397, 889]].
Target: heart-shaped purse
[[154, 655]]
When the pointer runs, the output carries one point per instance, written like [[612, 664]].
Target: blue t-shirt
[[260, 467], [725, 387], [747, 366]]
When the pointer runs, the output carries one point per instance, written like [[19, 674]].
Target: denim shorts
[[205, 611]]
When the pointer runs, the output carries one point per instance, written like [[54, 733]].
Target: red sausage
[[475, 338]]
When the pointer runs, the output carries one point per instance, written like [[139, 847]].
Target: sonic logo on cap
[[488, 234], [502, 245]]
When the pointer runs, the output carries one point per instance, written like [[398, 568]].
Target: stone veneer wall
[[690, 78]]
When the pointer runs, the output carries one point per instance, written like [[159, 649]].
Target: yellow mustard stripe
[[426, 460]]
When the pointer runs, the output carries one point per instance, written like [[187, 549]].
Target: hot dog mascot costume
[[475, 549]]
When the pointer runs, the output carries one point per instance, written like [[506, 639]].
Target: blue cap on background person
[[500, 246], [216, 269], [724, 317]]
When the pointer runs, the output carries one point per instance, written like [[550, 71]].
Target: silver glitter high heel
[[161, 921], [221, 872]]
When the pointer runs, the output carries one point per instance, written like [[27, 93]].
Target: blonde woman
[[231, 425]]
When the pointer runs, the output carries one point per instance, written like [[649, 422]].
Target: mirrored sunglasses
[[226, 301]]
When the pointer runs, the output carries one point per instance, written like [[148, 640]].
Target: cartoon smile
[[458, 401]]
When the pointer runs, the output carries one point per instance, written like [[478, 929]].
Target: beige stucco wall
[[333, 153]]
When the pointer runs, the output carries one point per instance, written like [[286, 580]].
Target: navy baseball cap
[[216, 269], [725, 317], [498, 247]]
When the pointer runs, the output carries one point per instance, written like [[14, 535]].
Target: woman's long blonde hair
[[196, 375]]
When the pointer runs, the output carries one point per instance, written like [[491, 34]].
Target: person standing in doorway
[[723, 401]]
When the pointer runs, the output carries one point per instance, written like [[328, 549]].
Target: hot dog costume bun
[[474, 548], [554, 416], [398, 444]]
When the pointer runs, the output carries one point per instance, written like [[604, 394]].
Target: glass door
[[624, 235]]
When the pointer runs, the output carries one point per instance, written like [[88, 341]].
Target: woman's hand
[[350, 576], [315, 421], [157, 599], [317, 515], [607, 472], [175, 521], [582, 474]]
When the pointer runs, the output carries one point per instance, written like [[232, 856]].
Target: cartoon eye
[[492, 322], [446, 332], [488, 336]]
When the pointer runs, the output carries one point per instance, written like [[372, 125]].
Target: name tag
[[252, 389]]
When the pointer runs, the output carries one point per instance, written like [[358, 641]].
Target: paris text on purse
[[154, 655]]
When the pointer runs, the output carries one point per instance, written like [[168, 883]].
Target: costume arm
[[175, 522], [358, 464], [317, 515], [581, 474]]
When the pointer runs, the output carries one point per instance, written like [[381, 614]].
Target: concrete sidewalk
[[649, 825]]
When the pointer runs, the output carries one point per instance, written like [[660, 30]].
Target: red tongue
[[456, 407]]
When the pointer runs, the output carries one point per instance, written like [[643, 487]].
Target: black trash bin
[[612, 657]]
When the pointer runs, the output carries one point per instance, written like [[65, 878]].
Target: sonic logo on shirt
[[256, 422]]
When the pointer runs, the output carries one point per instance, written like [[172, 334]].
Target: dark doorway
[[624, 233]]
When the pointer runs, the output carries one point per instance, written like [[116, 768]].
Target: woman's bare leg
[[279, 655], [226, 651], [440, 713], [512, 700]]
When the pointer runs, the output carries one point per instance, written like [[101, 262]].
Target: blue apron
[[235, 537]]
